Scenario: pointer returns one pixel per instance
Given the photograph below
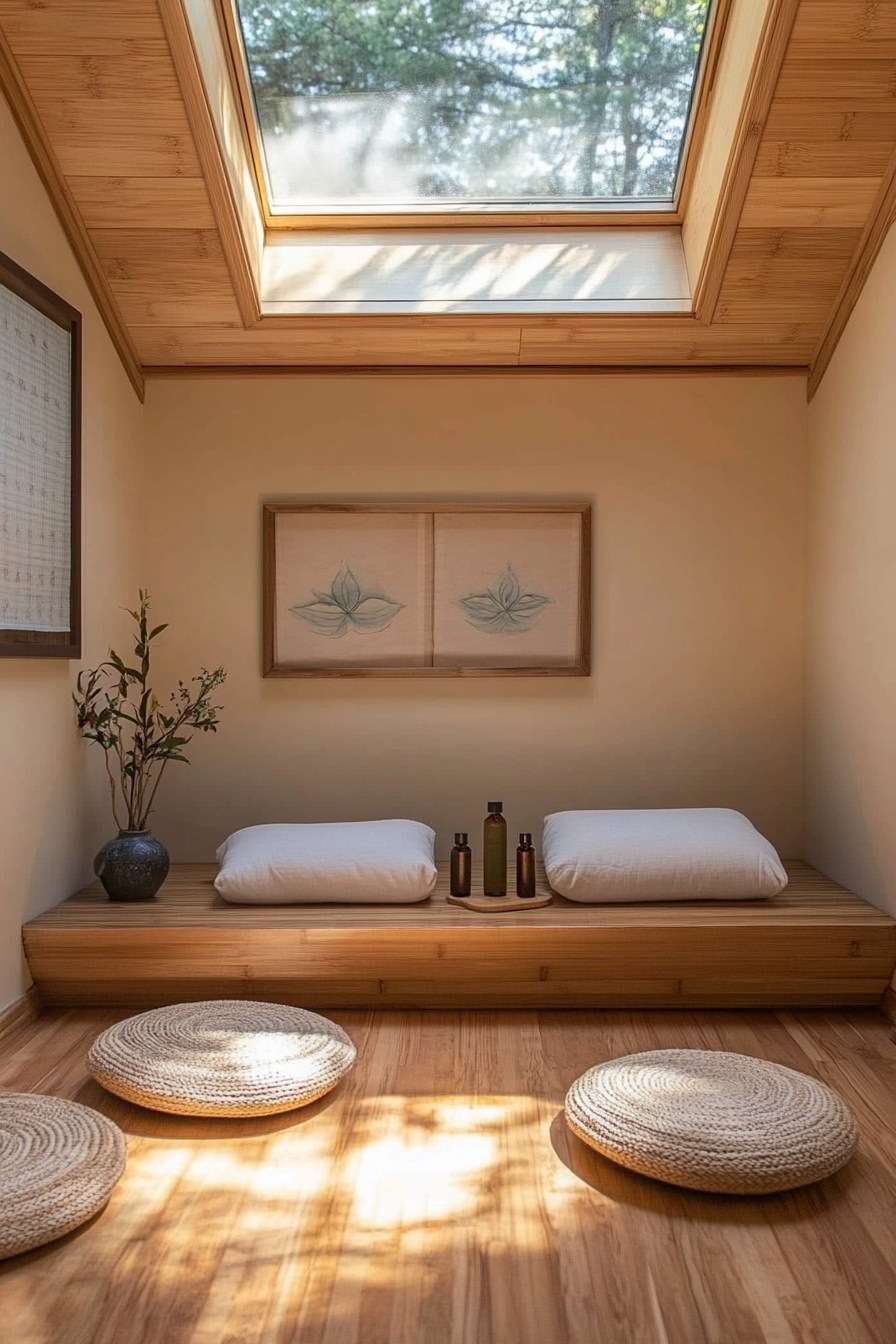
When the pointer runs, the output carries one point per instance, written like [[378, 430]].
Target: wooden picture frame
[[427, 589], [40, 469]]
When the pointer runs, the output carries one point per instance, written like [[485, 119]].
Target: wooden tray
[[499, 905]]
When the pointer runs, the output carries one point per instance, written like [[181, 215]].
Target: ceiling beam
[[218, 179], [769, 57], [474, 371]]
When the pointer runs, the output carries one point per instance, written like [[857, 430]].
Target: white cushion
[[659, 854], [352, 862]]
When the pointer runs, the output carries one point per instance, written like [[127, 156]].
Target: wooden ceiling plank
[[150, 304], [159, 284], [880, 220], [80, 120], [865, 80], [809, 202], [183, 275], [38, 145], [835, 119], [761, 312], [788, 278], [776, 343], [105, 137], [146, 67], [822, 158], [837, 29], [142, 203], [114, 152], [158, 287], [820, 244], [160, 247], [473, 344], [76, 27]]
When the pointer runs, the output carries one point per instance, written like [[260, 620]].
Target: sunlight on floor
[[394, 1199], [422, 1161]]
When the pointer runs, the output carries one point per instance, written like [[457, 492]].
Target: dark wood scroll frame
[[270, 666], [40, 643]]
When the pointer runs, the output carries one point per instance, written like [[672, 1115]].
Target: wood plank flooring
[[816, 943], [437, 1196]]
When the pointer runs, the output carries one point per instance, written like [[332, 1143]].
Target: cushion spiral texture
[[712, 1120], [222, 1057], [59, 1163]]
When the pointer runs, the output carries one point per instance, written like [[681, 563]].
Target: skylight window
[[384, 104]]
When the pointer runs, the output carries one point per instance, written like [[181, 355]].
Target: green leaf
[[505, 609]]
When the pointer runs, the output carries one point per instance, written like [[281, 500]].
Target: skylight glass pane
[[375, 103]]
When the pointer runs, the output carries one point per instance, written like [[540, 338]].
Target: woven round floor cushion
[[59, 1163], [222, 1057], [712, 1120]]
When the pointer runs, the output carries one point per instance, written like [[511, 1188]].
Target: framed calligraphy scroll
[[40, 458]]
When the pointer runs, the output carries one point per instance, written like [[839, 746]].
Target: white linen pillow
[[352, 862], [659, 854]]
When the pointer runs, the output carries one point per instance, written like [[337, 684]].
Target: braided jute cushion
[[59, 1163], [222, 1057], [712, 1120]]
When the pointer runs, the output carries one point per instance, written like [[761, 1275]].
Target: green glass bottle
[[494, 852]]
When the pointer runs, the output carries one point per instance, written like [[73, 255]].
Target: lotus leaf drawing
[[347, 607], [505, 609]]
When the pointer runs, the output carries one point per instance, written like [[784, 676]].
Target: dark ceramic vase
[[133, 866]]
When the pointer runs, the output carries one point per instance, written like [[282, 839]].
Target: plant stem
[[112, 789], [153, 794]]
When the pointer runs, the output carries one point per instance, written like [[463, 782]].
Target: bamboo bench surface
[[189, 899]]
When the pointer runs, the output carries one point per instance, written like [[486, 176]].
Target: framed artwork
[[448, 590], [40, 460]]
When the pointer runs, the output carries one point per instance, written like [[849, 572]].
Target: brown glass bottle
[[494, 852], [461, 865], [525, 866]]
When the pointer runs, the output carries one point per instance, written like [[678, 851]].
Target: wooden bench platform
[[816, 943]]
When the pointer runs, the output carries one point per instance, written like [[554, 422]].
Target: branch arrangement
[[118, 709]]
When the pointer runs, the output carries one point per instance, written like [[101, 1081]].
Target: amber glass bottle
[[494, 852], [525, 866], [461, 865]]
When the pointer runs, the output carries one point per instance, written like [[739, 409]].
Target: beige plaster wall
[[53, 808], [851, 700], [697, 696]]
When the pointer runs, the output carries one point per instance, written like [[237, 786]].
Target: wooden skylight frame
[[603, 213], [737, 83]]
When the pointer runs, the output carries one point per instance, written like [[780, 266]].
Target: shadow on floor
[[140, 1121], [628, 1187]]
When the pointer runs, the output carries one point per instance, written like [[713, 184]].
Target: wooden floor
[[814, 944], [437, 1198]]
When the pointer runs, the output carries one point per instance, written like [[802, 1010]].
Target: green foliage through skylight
[[392, 101]]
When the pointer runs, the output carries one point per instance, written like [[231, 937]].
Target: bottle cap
[[495, 807], [525, 837], [460, 837]]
